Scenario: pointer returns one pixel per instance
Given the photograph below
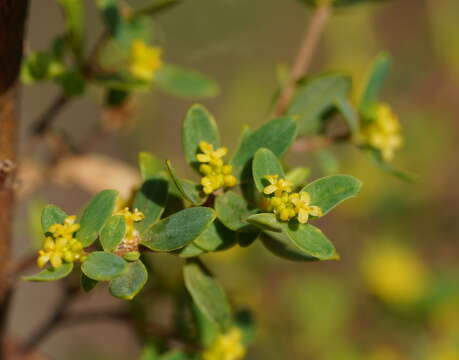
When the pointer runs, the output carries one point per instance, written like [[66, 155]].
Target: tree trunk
[[12, 25]]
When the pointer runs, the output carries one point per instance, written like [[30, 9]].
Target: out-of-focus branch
[[13, 15], [305, 54], [46, 120]]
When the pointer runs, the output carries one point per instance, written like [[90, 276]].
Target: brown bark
[[12, 24]]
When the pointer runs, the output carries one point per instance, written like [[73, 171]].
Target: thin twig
[[305, 54], [46, 120]]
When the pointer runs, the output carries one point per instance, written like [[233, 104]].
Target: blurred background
[[395, 293]]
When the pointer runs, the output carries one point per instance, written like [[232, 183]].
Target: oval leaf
[[178, 230], [129, 284], [113, 233], [185, 83], [95, 215], [216, 237], [207, 294], [375, 80], [189, 190], [279, 245], [317, 96], [310, 240], [149, 165], [198, 125], [151, 200], [265, 163], [103, 266], [87, 284], [190, 250], [329, 191], [51, 215], [51, 274], [276, 135], [298, 175], [265, 221], [233, 210]]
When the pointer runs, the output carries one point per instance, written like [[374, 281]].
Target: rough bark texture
[[12, 24]]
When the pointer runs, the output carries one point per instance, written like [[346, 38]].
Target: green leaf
[[298, 176], [129, 284], [208, 330], [198, 125], [149, 165], [87, 284], [111, 15], [246, 239], [207, 294], [244, 320], [51, 215], [233, 210], [178, 230], [149, 352], [72, 81], [51, 274], [39, 66], [276, 135], [190, 250], [151, 199], [279, 245], [316, 97], [329, 191], [375, 157], [188, 189], [103, 266], [154, 7], [174, 355], [265, 163], [375, 80], [113, 233], [265, 221], [185, 83], [95, 215], [216, 237], [349, 114], [115, 98], [74, 24], [310, 240]]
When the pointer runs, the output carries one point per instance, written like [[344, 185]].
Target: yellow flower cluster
[[130, 218], [61, 245], [287, 204], [394, 273], [383, 133], [226, 347], [216, 173], [145, 60]]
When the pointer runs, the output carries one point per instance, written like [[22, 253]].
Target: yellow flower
[[61, 246], [145, 60], [383, 133], [226, 347], [302, 207], [130, 218], [394, 273], [277, 186], [216, 173], [211, 156]]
